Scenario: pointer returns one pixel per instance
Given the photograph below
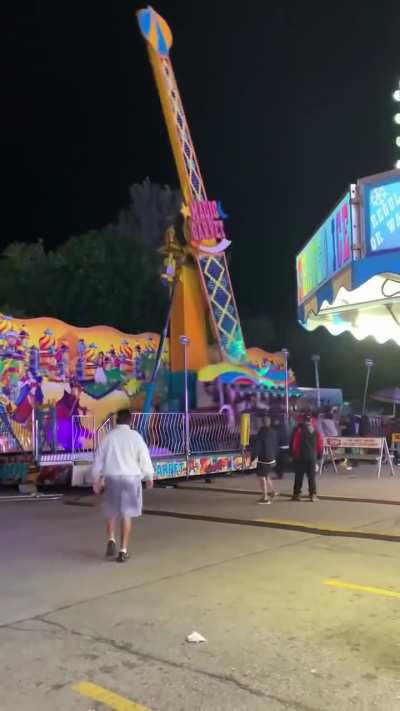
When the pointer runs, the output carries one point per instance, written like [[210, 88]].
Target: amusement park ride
[[59, 383]]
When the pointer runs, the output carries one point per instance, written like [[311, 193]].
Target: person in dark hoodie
[[307, 447], [264, 449], [283, 455]]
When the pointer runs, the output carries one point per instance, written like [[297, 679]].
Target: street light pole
[[185, 342], [285, 354], [315, 359], [368, 364]]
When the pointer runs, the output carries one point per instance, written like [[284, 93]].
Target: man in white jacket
[[122, 461]]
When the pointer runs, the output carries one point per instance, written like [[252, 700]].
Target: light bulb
[[397, 164], [397, 118], [396, 95], [398, 141]]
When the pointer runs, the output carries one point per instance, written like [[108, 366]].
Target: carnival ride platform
[[201, 445]]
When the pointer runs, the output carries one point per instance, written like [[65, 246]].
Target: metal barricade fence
[[211, 432], [163, 432], [83, 433]]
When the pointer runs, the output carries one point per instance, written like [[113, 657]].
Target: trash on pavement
[[195, 637]]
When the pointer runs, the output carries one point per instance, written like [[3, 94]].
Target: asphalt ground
[[293, 620]]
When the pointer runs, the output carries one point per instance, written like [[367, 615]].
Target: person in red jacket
[[306, 448]]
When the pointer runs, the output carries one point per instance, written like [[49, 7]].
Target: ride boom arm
[[211, 260]]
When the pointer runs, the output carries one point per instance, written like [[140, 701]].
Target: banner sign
[[202, 465], [382, 216], [361, 442], [169, 469], [327, 252]]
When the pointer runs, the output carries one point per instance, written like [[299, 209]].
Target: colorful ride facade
[[348, 273]]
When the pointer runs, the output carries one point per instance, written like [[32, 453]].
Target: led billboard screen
[[327, 252]]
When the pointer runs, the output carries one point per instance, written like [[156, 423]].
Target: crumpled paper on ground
[[195, 637]]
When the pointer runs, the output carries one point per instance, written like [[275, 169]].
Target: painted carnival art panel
[[45, 363]]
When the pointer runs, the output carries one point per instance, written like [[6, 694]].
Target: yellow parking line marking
[[106, 697], [361, 588]]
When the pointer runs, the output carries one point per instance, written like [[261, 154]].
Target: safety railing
[[163, 432], [46, 432], [23, 434], [14, 436], [211, 432], [52, 435], [83, 433], [103, 430], [8, 443]]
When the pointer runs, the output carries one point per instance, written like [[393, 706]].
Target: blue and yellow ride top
[[155, 30]]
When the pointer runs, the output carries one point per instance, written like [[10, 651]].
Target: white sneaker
[[264, 500]]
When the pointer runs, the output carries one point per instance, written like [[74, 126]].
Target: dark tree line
[[108, 276]]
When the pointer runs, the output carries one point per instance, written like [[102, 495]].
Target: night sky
[[287, 104]]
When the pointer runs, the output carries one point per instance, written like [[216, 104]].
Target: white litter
[[195, 637], [313, 671]]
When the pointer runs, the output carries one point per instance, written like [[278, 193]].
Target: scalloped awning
[[372, 309]]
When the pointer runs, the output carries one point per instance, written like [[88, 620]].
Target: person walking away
[[264, 449], [121, 462], [307, 447]]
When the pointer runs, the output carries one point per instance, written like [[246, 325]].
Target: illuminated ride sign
[[206, 226], [382, 216], [327, 252]]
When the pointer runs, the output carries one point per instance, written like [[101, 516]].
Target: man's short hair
[[123, 417]]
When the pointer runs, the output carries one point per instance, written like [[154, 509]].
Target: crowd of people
[[278, 447], [295, 444]]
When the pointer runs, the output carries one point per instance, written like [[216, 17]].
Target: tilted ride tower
[[204, 287]]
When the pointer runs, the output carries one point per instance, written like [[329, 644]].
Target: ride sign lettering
[[205, 221]]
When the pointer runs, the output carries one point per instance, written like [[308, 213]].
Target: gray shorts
[[123, 497]]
